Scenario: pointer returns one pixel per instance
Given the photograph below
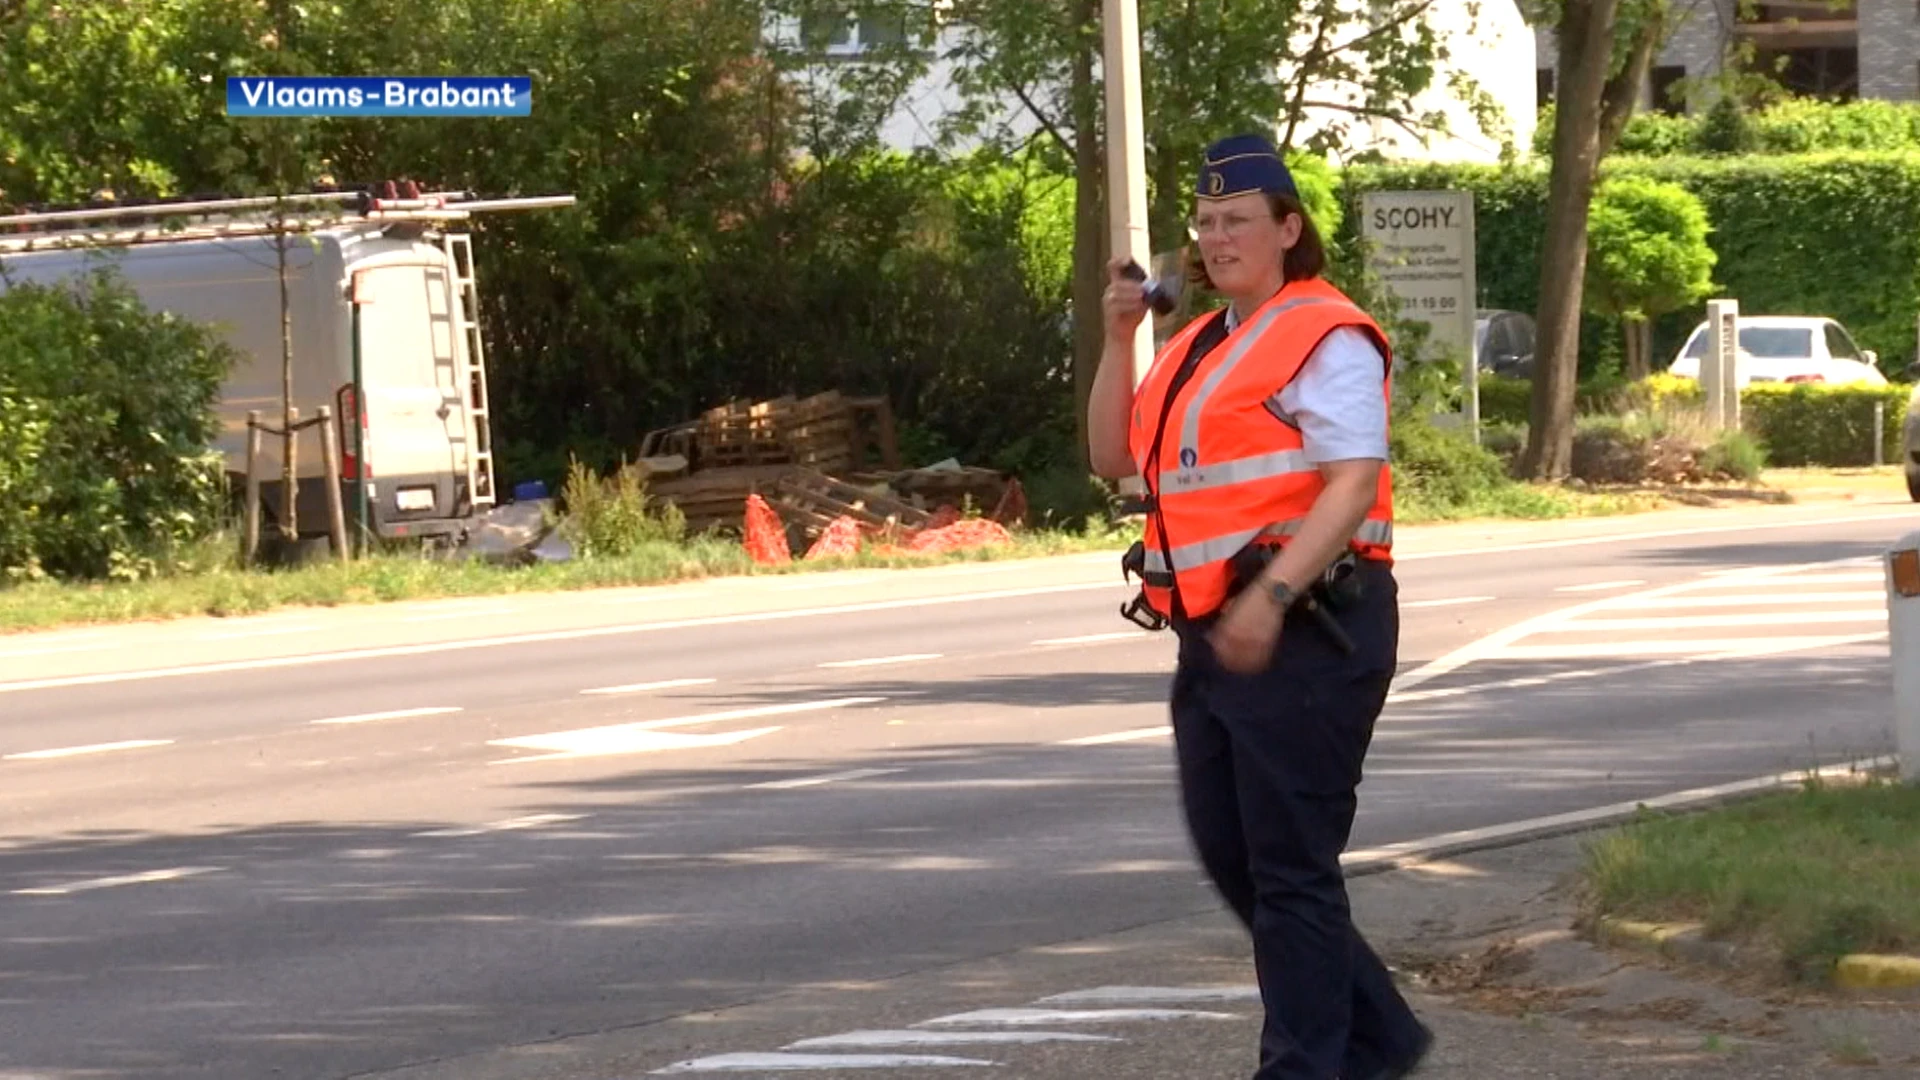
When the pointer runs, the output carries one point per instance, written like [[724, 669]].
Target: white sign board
[[1423, 249]]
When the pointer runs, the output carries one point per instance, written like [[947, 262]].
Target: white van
[[427, 455]]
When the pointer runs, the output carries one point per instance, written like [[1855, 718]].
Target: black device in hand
[[1158, 298]]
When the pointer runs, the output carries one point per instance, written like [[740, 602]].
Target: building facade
[[1841, 51]]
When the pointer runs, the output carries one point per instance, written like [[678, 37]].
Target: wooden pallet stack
[[745, 434]]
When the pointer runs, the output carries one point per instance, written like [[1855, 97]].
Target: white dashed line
[[875, 661], [643, 687], [396, 714], [800, 1062], [828, 778], [91, 884], [1755, 599], [1119, 736], [1600, 586], [1018, 1017], [1448, 602], [532, 821], [1701, 622], [96, 748], [883, 1039], [644, 736], [1095, 639]]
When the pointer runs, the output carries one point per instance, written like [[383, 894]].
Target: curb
[[1380, 860], [1687, 941]]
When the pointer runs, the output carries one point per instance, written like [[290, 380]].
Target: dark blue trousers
[[1269, 767]]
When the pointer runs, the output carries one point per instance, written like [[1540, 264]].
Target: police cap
[[1241, 163]]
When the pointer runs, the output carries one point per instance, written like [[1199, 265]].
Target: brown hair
[[1306, 259]]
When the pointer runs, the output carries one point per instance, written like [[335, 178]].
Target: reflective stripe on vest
[[1220, 548]]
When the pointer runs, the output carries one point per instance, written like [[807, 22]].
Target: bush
[[1668, 445], [1436, 467], [1806, 424], [611, 517], [115, 425]]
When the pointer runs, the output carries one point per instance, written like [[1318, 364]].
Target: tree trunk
[[1590, 111], [1090, 241], [1639, 348]]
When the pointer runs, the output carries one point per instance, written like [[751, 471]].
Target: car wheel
[[1913, 482]]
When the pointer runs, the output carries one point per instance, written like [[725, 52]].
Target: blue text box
[[379, 95]]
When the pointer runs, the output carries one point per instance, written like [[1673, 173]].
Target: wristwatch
[[1282, 594]]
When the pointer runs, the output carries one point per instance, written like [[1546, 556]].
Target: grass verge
[[214, 585], [1808, 875]]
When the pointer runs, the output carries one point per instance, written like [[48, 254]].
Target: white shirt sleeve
[[1339, 399]]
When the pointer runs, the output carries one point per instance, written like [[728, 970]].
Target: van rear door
[[416, 415]]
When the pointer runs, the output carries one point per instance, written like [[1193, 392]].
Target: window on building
[[1663, 82], [844, 33]]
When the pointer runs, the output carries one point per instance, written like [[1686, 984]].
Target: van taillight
[[345, 405]]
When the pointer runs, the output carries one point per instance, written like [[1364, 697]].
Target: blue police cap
[[1242, 163]]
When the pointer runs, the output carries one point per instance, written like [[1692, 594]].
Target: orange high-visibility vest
[[1228, 471]]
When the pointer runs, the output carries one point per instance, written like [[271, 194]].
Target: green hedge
[[1835, 234], [106, 425], [1800, 424]]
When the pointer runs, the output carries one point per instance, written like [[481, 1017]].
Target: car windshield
[[1770, 342]]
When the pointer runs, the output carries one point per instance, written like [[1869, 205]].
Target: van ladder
[[466, 326]]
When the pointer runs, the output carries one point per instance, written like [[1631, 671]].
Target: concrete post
[[1903, 645], [1719, 368]]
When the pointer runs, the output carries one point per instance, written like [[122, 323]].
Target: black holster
[[1137, 610], [1338, 588]]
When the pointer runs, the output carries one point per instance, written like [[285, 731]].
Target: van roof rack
[[159, 221]]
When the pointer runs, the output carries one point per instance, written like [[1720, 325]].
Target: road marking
[[1018, 1017], [427, 648], [1661, 534], [1703, 622], [1755, 600], [396, 714], [1095, 639], [1733, 646], [1600, 586], [1154, 995], [532, 821], [876, 661], [800, 1062], [1825, 579], [91, 884], [644, 735], [96, 748], [829, 778], [1118, 736], [643, 687], [1448, 602], [1369, 860], [1533, 680], [883, 1039]]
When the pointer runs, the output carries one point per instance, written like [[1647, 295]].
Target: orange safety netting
[[766, 533], [978, 532], [841, 538]]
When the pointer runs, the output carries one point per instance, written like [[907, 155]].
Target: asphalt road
[[337, 867]]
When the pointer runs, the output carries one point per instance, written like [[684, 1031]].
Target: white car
[[1788, 349]]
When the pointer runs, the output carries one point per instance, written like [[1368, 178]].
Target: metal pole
[[360, 507], [250, 544], [1903, 623], [1879, 433], [330, 453]]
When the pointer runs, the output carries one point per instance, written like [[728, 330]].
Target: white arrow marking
[[96, 748], [114, 882], [642, 687], [641, 742], [397, 714]]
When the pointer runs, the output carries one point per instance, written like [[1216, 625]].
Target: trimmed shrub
[[109, 431], [1806, 424]]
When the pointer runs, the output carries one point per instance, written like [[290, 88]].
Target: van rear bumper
[[450, 512]]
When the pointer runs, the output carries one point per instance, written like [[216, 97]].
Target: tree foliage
[[1648, 255]]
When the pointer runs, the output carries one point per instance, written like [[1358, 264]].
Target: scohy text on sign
[[380, 96], [1423, 251]]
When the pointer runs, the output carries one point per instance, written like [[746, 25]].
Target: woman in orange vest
[[1260, 433]]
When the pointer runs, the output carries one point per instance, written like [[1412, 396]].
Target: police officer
[[1261, 435]]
